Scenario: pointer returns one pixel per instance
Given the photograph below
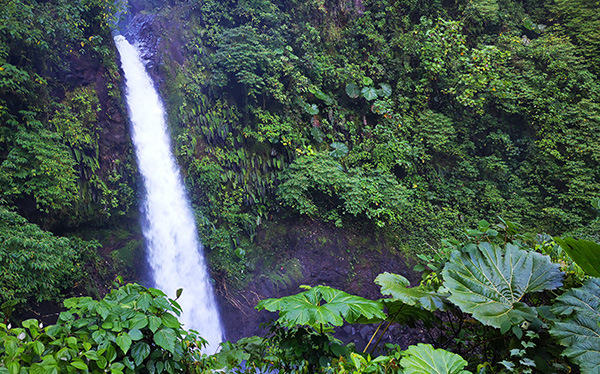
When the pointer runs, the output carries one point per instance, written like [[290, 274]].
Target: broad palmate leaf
[[396, 286], [585, 253], [352, 90], [339, 150], [424, 359], [579, 328], [322, 305], [490, 281], [369, 93]]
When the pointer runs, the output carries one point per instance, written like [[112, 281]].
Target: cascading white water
[[173, 248]]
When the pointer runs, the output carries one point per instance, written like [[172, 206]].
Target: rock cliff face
[[144, 31], [114, 142], [309, 253], [115, 157], [115, 154], [160, 41]]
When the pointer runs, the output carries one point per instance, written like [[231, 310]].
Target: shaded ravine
[[174, 252]]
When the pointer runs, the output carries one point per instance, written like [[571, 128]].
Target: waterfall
[[174, 251]]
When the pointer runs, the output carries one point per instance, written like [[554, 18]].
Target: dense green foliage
[[406, 118], [36, 265], [135, 330], [50, 166], [523, 337], [130, 329], [318, 186], [399, 117], [59, 94]]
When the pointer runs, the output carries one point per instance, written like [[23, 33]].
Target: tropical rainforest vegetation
[[410, 119], [406, 118], [494, 302], [56, 174]]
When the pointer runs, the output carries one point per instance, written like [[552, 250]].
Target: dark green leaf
[[405, 314], [369, 93], [323, 96], [102, 310], [124, 342], [424, 359], [419, 268], [489, 282], [339, 150], [170, 321], [130, 364], [386, 90], [491, 232], [161, 303], [317, 134], [397, 286], [135, 334], [165, 338], [517, 331], [13, 367], [79, 365], [585, 253], [38, 347], [312, 109], [110, 354], [352, 90], [579, 325], [154, 323], [101, 362], [156, 292], [139, 321], [144, 302], [139, 352]]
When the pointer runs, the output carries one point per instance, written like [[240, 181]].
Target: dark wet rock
[[324, 255], [159, 40], [349, 330], [366, 331]]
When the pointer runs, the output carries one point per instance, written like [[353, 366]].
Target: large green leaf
[[312, 109], [424, 359], [584, 252], [139, 352], [579, 328], [396, 286], [124, 342], [369, 93], [165, 338], [322, 305], [490, 281], [339, 150], [317, 134], [385, 90], [352, 90]]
